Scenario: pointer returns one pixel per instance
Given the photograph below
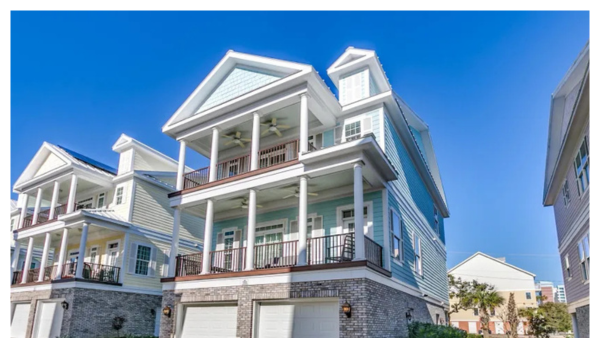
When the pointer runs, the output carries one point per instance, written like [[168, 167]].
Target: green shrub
[[474, 335], [426, 330]]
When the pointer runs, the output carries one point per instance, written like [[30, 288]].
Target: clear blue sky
[[482, 81]]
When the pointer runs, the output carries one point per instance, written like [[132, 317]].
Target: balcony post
[[181, 165], [251, 229], [38, 205], [54, 200], [174, 241], [63, 253], [255, 147], [208, 231], [15, 258], [303, 123], [82, 243], [72, 193], [44, 260], [359, 229], [124, 257], [25, 200], [214, 156], [302, 219], [27, 260]]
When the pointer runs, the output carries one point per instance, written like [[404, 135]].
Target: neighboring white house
[[103, 237], [506, 278], [291, 165]]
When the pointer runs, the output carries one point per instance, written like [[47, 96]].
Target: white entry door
[[18, 324], [209, 321], [499, 327], [112, 253], [299, 320], [472, 327], [48, 320]]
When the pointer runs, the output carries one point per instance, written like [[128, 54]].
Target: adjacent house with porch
[[102, 238], [324, 215]]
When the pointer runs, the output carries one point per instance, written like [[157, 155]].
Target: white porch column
[[303, 123], [208, 232], [255, 147], [44, 260], [82, 243], [359, 229], [63, 253], [174, 242], [124, 258], [72, 193], [23, 210], [14, 266], [38, 205], [214, 156], [54, 200], [27, 260], [302, 217], [251, 229], [181, 165]]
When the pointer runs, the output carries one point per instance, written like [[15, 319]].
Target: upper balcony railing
[[44, 216], [267, 158], [92, 272]]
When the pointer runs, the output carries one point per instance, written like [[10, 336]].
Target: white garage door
[[18, 325], [299, 320], [48, 320], [209, 321]]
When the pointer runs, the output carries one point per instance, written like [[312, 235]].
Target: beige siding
[[149, 282], [51, 162], [140, 163], [123, 208], [151, 210], [125, 161], [521, 301]]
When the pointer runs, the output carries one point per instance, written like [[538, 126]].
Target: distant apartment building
[[545, 291], [507, 279], [560, 296], [567, 185]]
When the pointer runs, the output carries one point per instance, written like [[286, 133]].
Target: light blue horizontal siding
[[412, 188], [326, 209]]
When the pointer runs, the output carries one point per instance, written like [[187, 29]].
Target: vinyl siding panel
[[575, 286], [147, 282], [125, 206], [51, 162]]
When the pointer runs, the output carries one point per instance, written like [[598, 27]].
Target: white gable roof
[[353, 59], [125, 142]]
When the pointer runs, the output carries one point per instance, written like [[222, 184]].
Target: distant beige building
[[506, 278]]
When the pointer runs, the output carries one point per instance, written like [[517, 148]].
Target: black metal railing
[[330, 249], [373, 252], [229, 260], [275, 255], [101, 273], [188, 264], [16, 277]]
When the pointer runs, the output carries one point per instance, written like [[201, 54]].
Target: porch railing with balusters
[[188, 264], [278, 154], [44, 216], [233, 167], [101, 273], [229, 260], [330, 249], [16, 277], [276, 255], [373, 252]]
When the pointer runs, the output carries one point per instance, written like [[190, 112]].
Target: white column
[[15, 258], [72, 193], [54, 200], [208, 232], [181, 165], [359, 229], [82, 243], [574, 323], [255, 147], [44, 260], [38, 205], [214, 156], [251, 229], [303, 123], [27, 260], [124, 258], [302, 217], [174, 242], [63, 253], [23, 210]]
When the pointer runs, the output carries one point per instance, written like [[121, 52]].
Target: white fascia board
[[85, 285], [62, 173], [582, 57]]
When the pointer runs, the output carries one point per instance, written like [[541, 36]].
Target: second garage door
[[318, 319], [18, 325], [209, 321]]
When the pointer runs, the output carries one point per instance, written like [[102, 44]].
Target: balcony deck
[[97, 273], [44, 217]]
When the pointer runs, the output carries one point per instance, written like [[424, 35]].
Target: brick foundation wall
[[583, 321], [378, 311], [91, 312]]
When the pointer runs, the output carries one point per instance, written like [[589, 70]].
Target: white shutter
[[237, 237], [318, 230], [220, 245], [132, 257], [366, 126], [165, 266], [152, 264], [338, 134], [293, 230]]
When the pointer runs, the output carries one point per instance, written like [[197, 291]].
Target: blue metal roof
[[90, 161]]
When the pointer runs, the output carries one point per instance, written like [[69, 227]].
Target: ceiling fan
[[274, 127], [236, 138], [296, 191], [244, 204]]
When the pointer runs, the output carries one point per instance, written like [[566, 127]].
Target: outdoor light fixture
[[347, 309], [64, 304], [167, 311], [409, 314], [153, 312]]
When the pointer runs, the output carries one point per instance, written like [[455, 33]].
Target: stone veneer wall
[[91, 312], [583, 321], [378, 311]]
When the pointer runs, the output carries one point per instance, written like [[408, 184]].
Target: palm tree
[[485, 298]]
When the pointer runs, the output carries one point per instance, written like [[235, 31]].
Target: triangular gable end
[[123, 139], [349, 55], [47, 159], [235, 75], [50, 163]]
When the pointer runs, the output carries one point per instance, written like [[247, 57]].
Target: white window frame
[[359, 118], [401, 257], [528, 295], [151, 263], [120, 250], [568, 267], [368, 220], [88, 257], [582, 172], [101, 196], [566, 193], [418, 262], [475, 312], [584, 262], [122, 196]]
